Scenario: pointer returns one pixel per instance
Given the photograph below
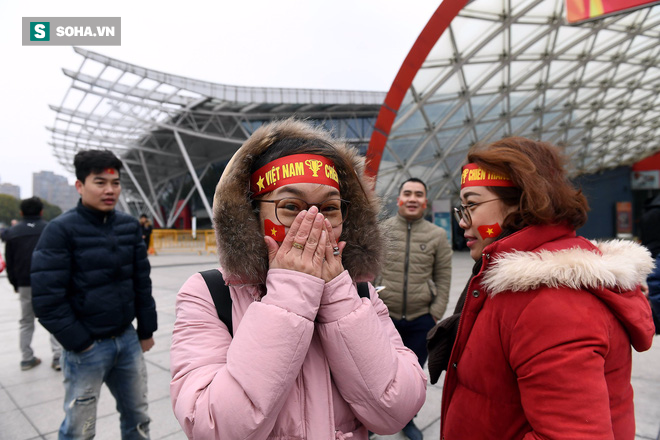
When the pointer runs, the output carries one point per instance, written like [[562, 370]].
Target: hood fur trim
[[617, 265], [241, 248]]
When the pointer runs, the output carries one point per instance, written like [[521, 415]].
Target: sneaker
[[55, 365], [26, 365], [412, 432]]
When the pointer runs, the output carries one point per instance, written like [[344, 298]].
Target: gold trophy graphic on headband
[[314, 165]]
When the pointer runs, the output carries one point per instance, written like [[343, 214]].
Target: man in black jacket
[[90, 279], [20, 242], [650, 234]]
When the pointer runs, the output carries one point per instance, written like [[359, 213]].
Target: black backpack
[[222, 299]]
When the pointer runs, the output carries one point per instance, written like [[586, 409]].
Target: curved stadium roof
[[476, 73], [169, 131], [504, 68]]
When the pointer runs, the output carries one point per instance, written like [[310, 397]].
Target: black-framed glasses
[[462, 212], [286, 210]]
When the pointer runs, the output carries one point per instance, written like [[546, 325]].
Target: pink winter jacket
[[309, 360]]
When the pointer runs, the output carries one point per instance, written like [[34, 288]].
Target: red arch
[[440, 21]]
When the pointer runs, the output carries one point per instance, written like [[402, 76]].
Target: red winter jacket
[[543, 345]]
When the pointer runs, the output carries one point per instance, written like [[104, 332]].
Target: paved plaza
[[31, 401]]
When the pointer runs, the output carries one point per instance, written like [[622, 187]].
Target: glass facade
[[506, 68]]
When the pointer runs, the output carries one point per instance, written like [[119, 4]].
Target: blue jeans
[[120, 364], [413, 334]]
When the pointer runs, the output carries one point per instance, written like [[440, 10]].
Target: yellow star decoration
[[489, 231], [273, 232], [260, 182]]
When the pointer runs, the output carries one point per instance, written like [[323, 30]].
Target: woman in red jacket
[[542, 349]]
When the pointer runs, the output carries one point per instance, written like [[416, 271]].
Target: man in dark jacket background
[[650, 235], [21, 240], [90, 279]]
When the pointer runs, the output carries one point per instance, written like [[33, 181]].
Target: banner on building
[[645, 179], [624, 221], [579, 11]]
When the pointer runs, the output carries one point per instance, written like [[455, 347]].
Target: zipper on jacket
[[405, 273], [450, 364]]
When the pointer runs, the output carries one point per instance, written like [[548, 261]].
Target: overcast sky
[[338, 44]]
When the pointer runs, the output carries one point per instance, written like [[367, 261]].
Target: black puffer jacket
[[90, 278], [649, 226], [21, 240]]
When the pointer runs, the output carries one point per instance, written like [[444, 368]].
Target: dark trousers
[[413, 333]]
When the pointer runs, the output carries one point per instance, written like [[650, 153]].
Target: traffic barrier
[[182, 240]]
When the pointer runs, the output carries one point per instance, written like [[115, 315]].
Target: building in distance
[[10, 190], [54, 189]]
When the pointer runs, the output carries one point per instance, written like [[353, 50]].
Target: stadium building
[[479, 71]]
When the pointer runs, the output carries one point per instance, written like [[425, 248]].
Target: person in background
[[5, 230], [543, 346], [310, 357], [416, 273], [146, 228], [90, 280], [21, 239], [650, 235]]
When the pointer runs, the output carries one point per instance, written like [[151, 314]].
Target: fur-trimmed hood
[[617, 265], [552, 256], [241, 248]]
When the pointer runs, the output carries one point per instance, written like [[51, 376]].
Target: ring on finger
[[335, 250], [298, 245]]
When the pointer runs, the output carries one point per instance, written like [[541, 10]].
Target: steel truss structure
[[516, 68], [169, 131]]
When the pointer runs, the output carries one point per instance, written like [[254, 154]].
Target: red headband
[[297, 168], [473, 175]]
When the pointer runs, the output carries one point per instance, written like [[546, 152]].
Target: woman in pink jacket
[[296, 228], [543, 349]]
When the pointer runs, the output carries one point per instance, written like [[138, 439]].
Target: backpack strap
[[221, 296], [363, 290]]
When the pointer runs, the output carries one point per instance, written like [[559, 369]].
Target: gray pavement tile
[[158, 384], [16, 427], [12, 375], [647, 408], [46, 417], [160, 359], [6, 403], [429, 415], [36, 392], [163, 340], [164, 424], [647, 364], [39, 414]]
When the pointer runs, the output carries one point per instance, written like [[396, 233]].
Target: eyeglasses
[[286, 210], [462, 212]]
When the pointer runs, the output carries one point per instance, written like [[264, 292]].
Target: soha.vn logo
[[39, 31]]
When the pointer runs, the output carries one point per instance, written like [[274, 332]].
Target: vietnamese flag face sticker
[[490, 231], [277, 232]]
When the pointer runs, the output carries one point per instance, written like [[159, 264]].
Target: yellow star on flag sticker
[[273, 232], [489, 231], [260, 182]]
